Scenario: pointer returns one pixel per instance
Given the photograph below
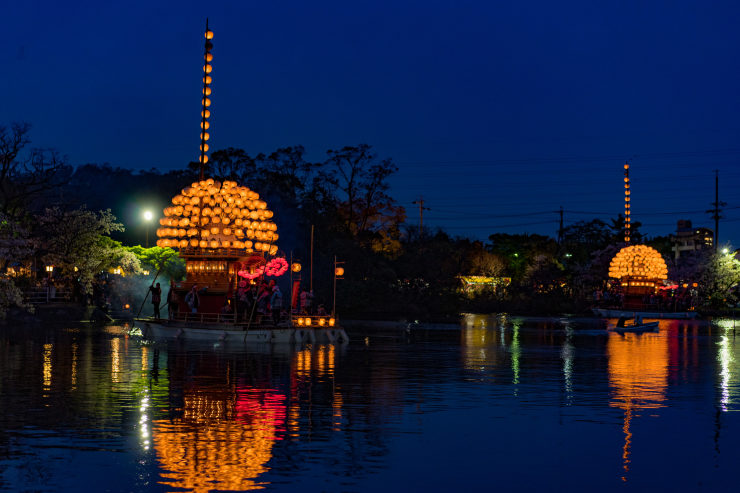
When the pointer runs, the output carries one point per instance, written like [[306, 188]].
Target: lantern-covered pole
[[627, 202], [206, 102]]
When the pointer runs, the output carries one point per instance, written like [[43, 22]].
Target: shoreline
[[75, 313]]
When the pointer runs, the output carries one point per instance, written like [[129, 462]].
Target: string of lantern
[[627, 222], [206, 102]]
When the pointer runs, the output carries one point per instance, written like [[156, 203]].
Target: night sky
[[497, 113]]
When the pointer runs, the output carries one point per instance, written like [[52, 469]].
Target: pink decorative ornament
[[276, 267]]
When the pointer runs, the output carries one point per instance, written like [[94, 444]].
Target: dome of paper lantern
[[199, 215], [638, 261]]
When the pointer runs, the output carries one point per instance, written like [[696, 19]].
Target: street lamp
[[49, 293], [148, 216], [725, 251]]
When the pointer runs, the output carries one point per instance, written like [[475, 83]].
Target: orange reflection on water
[[48, 348], [479, 343], [74, 365], [223, 441], [336, 404], [638, 374], [115, 370], [319, 359]]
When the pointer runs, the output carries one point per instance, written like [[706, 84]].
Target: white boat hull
[[163, 330], [607, 313]]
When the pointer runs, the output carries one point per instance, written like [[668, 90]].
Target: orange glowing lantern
[[638, 262], [205, 230]]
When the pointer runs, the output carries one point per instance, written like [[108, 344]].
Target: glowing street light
[[725, 251], [148, 216]]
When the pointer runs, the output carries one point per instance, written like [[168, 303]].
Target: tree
[[481, 262], [583, 238], [228, 164], [76, 243], [15, 243], [363, 204], [521, 250], [287, 171], [165, 261], [717, 275], [24, 175], [10, 296]]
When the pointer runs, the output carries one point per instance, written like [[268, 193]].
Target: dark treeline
[[391, 269]]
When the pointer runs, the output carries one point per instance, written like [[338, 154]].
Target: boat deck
[[225, 327]]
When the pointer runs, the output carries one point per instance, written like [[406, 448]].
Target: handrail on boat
[[229, 318]]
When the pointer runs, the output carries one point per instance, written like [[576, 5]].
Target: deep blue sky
[[498, 113]]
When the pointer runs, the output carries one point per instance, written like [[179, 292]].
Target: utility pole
[[560, 229], [420, 203], [716, 211], [311, 267]]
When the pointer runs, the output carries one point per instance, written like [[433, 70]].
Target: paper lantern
[[638, 261], [208, 208]]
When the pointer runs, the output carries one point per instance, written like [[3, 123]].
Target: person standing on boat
[[171, 300], [276, 304], [156, 298], [193, 300], [241, 300], [303, 298], [263, 298]]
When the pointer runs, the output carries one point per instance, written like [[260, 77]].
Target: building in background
[[690, 239]]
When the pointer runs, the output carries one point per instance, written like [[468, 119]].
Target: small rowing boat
[[636, 328]]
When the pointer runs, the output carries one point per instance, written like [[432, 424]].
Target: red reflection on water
[[267, 406]]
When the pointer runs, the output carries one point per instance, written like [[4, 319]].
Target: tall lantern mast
[[627, 202], [205, 112]]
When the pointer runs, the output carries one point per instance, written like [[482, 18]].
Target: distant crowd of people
[[682, 299]]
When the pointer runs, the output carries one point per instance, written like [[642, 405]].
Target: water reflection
[[223, 440], [47, 367], [221, 429], [567, 353], [638, 376], [728, 362], [585, 406]]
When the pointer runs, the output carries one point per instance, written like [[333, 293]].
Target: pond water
[[512, 404]]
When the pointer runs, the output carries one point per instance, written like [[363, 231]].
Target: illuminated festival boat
[[640, 271], [616, 313], [226, 236]]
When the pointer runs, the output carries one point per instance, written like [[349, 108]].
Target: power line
[[578, 159]]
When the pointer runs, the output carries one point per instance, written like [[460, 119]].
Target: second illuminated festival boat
[[226, 236]]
